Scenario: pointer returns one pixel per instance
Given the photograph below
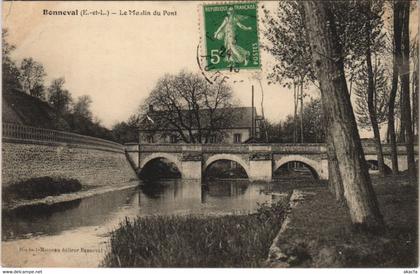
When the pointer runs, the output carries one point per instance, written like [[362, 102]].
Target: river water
[[76, 233]]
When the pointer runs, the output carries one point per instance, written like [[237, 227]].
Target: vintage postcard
[[246, 134]]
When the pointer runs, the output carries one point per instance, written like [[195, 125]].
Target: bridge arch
[[230, 157], [166, 156], [314, 167]]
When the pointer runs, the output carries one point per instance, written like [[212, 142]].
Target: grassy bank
[[196, 241], [40, 187], [320, 233]]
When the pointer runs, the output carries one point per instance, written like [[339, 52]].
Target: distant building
[[244, 121]]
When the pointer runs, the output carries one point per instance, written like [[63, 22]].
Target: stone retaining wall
[[92, 166]]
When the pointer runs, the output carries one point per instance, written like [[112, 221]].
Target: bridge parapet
[[160, 148], [299, 148], [232, 148], [197, 148], [235, 148], [205, 148], [284, 148], [386, 148]]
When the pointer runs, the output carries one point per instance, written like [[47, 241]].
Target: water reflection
[[28, 221], [225, 188], [164, 197]]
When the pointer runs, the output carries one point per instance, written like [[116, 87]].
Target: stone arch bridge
[[258, 160]]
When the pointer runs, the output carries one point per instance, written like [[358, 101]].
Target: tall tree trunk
[[415, 88], [295, 96], [405, 90], [414, 91], [334, 177], [329, 67], [395, 72], [335, 183], [396, 63], [264, 122], [372, 109], [401, 138], [391, 118], [301, 111]]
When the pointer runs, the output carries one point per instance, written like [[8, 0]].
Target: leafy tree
[[342, 129], [9, 70], [396, 64], [97, 130], [370, 13], [125, 132], [283, 132], [405, 89], [313, 117], [80, 118], [288, 41], [285, 31], [196, 109], [59, 97], [381, 96], [82, 107], [31, 77], [286, 35]]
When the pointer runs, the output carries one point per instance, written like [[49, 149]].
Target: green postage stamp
[[231, 36]]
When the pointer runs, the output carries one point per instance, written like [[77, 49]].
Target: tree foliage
[[82, 107], [59, 97], [31, 77], [10, 72], [127, 131], [195, 109], [313, 131], [342, 133], [287, 42], [381, 96]]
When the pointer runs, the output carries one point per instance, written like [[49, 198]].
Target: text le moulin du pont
[[101, 12]]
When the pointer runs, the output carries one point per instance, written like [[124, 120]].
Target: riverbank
[[319, 234], [87, 223], [196, 241], [67, 197]]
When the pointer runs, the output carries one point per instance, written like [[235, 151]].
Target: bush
[[40, 187], [196, 241]]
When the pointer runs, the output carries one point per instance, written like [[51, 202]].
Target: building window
[[173, 139], [150, 139], [237, 138]]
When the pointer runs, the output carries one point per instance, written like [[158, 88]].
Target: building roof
[[239, 117]]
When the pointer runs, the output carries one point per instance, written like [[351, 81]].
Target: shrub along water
[[40, 187], [196, 241]]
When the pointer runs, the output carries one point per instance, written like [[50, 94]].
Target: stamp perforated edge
[[201, 30]]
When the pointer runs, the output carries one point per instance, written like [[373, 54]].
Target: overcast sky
[[117, 60]]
